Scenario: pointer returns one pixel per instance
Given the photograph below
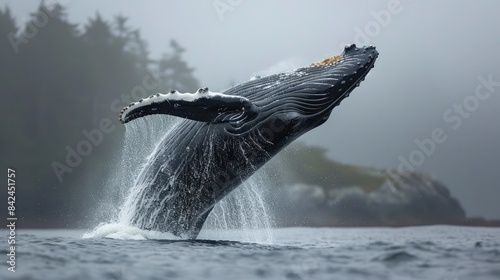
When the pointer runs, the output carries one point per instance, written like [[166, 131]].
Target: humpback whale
[[225, 137]]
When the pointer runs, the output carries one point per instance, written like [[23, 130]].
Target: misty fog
[[433, 55]]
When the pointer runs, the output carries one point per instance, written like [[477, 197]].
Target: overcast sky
[[432, 54]]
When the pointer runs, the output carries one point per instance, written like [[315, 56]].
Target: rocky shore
[[407, 199]]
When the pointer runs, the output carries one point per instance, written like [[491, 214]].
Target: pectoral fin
[[204, 105]]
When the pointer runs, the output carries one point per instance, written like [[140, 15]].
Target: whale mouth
[[309, 91]]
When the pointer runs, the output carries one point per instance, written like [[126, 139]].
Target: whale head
[[303, 99]]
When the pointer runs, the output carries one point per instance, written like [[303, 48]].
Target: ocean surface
[[120, 252]]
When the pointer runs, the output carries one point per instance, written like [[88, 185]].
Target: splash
[[143, 136], [126, 232], [245, 209], [243, 215]]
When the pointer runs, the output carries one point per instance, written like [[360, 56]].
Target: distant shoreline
[[478, 221], [469, 222]]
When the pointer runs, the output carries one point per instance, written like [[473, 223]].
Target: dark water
[[438, 252]]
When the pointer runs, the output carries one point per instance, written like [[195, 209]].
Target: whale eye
[[295, 119]]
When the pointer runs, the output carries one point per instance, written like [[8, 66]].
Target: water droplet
[[242, 100], [176, 105], [342, 82]]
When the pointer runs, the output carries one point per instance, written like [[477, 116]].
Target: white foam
[[126, 232]]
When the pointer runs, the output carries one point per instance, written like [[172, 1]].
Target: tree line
[[61, 86]]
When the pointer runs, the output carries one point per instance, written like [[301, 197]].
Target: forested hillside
[[62, 86]]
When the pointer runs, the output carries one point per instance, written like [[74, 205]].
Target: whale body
[[225, 137]]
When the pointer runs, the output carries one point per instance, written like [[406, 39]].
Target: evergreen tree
[[174, 71], [56, 81]]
